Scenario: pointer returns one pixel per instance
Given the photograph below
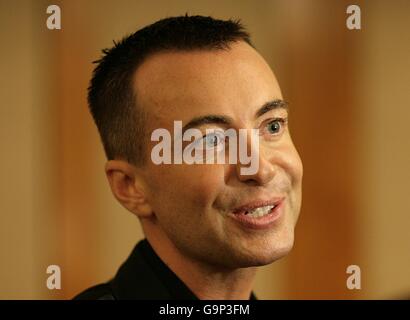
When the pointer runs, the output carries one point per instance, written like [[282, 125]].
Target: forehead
[[182, 85]]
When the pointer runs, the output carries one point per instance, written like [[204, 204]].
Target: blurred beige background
[[350, 115]]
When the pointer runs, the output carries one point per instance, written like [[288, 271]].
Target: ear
[[128, 187]]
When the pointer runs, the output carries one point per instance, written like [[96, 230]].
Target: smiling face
[[197, 207]]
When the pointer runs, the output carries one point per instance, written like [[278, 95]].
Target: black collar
[[144, 276]]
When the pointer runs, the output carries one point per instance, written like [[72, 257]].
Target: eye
[[274, 127], [212, 140]]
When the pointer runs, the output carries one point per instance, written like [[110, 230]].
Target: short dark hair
[[111, 98]]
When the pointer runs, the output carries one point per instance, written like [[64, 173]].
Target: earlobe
[[128, 187]]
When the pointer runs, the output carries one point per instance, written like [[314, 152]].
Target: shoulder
[[99, 292], [140, 277]]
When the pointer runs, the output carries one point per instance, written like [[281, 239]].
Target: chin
[[271, 253]]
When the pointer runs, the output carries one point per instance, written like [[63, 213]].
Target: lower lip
[[259, 223]]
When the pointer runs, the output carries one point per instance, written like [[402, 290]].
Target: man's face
[[194, 205]]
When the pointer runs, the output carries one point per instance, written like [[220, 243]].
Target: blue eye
[[275, 126], [213, 140]]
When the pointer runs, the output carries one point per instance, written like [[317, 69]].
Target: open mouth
[[260, 212], [258, 209]]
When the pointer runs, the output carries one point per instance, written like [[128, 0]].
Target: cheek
[[289, 160], [204, 183], [291, 164], [197, 185]]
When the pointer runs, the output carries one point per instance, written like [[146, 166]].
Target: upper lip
[[257, 204]]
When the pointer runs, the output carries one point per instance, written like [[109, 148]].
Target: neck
[[205, 281]]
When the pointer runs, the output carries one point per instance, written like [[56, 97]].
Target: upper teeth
[[259, 212]]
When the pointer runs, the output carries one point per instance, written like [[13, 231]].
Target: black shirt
[[143, 276]]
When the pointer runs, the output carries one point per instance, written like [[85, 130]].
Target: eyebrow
[[225, 120], [209, 119], [272, 105]]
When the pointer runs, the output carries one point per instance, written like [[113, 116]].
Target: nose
[[262, 176], [265, 170]]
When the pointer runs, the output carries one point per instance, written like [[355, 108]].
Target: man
[[207, 226]]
